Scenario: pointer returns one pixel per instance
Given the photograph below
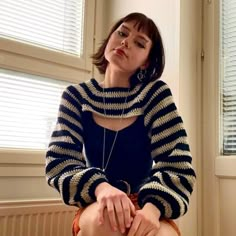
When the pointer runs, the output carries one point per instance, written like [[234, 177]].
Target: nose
[[124, 42]]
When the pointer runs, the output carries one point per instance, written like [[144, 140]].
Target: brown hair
[[156, 56]]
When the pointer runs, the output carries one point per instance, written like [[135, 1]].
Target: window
[[228, 76], [28, 108], [44, 46], [60, 32], [54, 24], [220, 81]]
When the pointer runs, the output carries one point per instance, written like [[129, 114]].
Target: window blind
[[28, 109], [55, 24], [228, 75]]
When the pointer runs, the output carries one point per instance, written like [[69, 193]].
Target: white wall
[[166, 16], [190, 103], [180, 25]]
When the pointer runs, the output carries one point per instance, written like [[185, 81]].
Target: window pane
[[56, 24], [28, 109], [228, 75]]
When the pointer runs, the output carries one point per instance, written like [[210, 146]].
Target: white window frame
[[23, 57], [34, 59], [224, 166]]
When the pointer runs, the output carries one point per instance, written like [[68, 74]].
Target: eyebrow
[[140, 36]]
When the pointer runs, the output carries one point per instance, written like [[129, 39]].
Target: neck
[[116, 79]]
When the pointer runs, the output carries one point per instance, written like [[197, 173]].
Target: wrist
[[153, 208], [100, 187]]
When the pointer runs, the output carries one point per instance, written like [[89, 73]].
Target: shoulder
[[80, 86], [157, 90], [158, 85], [81, 89], [159, 98], [74, 94], [160, 105]]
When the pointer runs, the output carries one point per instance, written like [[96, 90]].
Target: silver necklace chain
[[104, 166]]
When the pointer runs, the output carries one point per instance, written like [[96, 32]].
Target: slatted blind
[[228, 75], [55, 24], [28, 109]]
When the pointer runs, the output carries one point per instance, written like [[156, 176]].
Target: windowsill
[[22, 156], [22, 163], [225, 166]]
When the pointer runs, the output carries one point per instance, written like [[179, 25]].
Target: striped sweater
[[172, 175]]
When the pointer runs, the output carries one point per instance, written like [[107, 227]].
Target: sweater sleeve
[[172, 176], [66, 169]]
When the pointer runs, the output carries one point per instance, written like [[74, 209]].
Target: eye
[[139, 44], [122, 33]]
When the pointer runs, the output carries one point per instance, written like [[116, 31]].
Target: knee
[[88, 222], [87, 218], [90, 226], [166, 230]]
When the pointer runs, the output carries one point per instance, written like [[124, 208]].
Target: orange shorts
[[133, 198]]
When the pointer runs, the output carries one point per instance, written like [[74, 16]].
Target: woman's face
[[127, 49]]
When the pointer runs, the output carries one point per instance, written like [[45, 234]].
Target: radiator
[[36, 218]]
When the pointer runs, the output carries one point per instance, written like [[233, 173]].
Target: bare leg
[[166, 230], [88, 223]]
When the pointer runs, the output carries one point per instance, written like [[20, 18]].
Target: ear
[[145, 65]]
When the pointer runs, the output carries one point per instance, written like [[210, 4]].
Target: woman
[[125, 123]]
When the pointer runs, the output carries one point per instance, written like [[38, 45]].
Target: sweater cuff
[[94, 185], [147, 198], [90, 179]]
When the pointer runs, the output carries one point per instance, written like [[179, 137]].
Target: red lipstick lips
[[120, 52]]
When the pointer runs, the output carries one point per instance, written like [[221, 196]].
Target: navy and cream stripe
[[173, 177]]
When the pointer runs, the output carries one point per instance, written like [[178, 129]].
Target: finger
[[101, 206], [111, 215], [147, 231], [132, 208], [126, 209], [143, 228], [120, 215], [134, 227], [131, 219], [152, 233]]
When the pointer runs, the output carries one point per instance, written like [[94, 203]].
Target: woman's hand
[[119, 206], [146, 221]]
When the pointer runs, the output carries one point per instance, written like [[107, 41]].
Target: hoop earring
[[141, 75], [153, 72]]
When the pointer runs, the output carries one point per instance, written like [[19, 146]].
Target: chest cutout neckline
[[113, 124]]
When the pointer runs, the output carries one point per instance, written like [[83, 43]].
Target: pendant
[[127, 186]]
